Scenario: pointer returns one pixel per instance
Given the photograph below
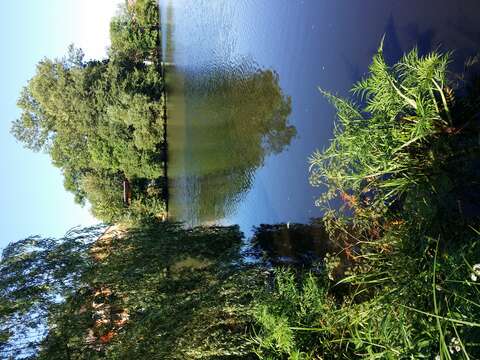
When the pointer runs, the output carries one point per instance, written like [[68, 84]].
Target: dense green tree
[[134, 33], [35, 274], [100, 118], [183, 294], [187, 292]]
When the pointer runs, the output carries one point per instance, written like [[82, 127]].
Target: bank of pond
[[161, 291]]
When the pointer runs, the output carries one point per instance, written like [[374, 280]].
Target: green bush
[[401, 184]]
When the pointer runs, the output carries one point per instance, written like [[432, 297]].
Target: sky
[[33, 200]]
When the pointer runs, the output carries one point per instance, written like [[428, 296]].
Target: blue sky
[[33, 200]]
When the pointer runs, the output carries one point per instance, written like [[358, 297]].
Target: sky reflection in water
[[244, 109]]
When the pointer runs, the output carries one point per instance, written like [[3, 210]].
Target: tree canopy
[[155, 291], [100, 120]]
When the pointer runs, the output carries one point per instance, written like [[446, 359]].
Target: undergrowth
[[403, 165]]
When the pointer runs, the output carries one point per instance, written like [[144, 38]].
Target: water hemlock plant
[[401, 195]]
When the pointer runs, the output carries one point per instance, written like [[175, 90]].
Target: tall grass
[[403, 167]]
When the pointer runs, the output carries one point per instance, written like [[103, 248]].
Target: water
[[244, 108]]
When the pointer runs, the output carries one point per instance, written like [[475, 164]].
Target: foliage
[[134, 33], [186, 294], [100, 121], [389, 313], [405, 144], [34, 274], [401, 184], [288, 304], [187, 297]]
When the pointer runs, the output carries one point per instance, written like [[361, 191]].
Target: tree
[[134, 32], [35, 274], [101, 118], [156, 291]]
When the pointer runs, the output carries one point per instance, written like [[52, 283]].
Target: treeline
[[100, 120]]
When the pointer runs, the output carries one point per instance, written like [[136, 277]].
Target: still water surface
[[244, 111]]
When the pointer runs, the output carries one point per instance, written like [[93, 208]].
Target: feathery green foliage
[[401, 193], [184, 293]]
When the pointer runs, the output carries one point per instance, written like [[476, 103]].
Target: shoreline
[[163, 99]]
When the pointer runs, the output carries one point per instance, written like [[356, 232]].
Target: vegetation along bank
[[391, 271]]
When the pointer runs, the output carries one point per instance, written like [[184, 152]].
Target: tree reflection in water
[[233, 121]]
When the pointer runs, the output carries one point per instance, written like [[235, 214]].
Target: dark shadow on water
[[423, 40], [292, 244], [298, 245], [355, 73], [392, 48]]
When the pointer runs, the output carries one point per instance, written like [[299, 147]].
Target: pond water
[[244, 110]]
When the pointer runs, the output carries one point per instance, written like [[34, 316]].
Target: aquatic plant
[[401, 191], [409, 138]]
